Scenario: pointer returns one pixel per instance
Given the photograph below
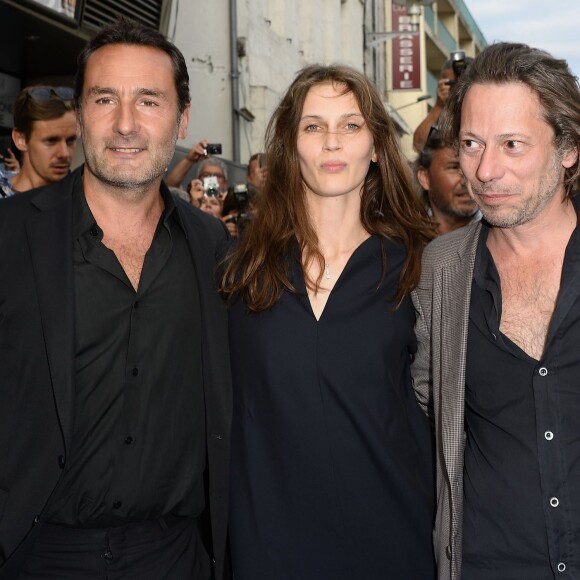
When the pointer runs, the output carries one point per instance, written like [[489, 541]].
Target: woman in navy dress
[[332, 472]]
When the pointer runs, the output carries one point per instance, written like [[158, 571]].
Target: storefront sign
[[406, 52]]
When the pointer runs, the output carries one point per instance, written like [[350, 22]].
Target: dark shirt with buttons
[[522, 455], [138, 444]]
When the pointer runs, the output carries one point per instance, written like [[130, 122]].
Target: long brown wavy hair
[[257, 270]]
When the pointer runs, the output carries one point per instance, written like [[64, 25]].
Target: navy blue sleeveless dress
[[332, 459]]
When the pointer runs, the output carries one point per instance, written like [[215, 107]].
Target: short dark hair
[[433, 143], [549, 78], [131, 32], [27, 110]]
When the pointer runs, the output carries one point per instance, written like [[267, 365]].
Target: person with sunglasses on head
[[45, 133]]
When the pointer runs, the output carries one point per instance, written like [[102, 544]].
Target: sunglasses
[[433, 134], [46, 93]]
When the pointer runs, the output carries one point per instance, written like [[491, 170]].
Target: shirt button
[[135, 372], [554, 502], [94, 232], [549, 435], [543, 371], [561, 567], [136, 305], [128, 440], [117, 505]]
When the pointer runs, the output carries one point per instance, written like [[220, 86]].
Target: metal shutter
[[99, 12]]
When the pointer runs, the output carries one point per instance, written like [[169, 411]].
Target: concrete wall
[[279, 38]]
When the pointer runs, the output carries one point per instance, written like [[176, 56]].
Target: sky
[[553, 25]]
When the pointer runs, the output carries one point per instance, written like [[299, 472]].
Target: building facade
[[242, 54]]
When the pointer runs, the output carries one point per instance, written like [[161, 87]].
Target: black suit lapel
[[50, 238]]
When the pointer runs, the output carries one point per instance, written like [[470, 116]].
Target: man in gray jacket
[[499, 326]]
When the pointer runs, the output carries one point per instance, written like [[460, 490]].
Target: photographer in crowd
[[451, 70], [177, 174]]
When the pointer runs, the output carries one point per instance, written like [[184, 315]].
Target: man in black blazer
[[114, 378]]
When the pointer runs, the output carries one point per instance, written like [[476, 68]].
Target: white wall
[[281, 36]]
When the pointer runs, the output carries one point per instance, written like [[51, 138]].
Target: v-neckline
[[338, 281]]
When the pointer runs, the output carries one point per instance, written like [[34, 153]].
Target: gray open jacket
[[442, 302]]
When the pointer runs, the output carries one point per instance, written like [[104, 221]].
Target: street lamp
[[413, 12], [373, 38]]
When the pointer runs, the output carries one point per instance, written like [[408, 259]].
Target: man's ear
[[183, 122], [19, 140], [569, 158], [423, 178], [78, 123]]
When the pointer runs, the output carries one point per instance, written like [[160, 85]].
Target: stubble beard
[[547, 187], [452, 210], [455, 211], [129, 182]]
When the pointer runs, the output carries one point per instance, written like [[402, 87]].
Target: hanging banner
[[406, 52]]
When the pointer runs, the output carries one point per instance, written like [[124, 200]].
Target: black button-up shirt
[[138, 446], [522, 456]]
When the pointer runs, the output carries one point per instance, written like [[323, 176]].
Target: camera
[[213, 149], [241, 197], [211, 186], [458, 63], [238, 202]]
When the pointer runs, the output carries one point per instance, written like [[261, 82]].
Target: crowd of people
[[326, 372]]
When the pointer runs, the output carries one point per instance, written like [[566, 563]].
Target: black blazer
[[37, 360]]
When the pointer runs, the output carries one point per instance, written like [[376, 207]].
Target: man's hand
[[10, 161], [198, 151]]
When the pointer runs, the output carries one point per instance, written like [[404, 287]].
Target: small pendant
[[327, 272]]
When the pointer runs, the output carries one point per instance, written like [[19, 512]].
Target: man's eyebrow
[[141, 91], [511, 135], [95, 91], [151, 93]]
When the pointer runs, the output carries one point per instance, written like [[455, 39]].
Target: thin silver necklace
[[327, 274]]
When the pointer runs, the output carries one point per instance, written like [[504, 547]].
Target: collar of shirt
[[83, 220], [485, 274]]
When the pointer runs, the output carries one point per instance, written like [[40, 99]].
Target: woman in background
[[332, 473]]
